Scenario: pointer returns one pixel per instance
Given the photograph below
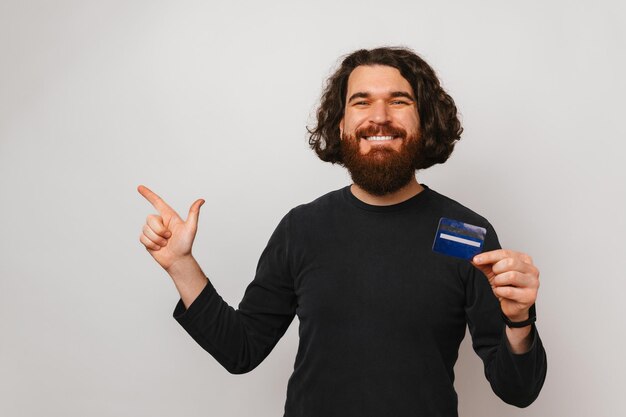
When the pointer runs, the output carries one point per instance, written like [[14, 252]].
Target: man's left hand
[[513, 278]]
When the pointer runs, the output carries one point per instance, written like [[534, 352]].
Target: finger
[[512, 264], [513, 278], [492, 257], [526, 258], [149, 233], [486, 270], [194, 213], [148, 243], [157, 226], [154, 199], [518, 295]]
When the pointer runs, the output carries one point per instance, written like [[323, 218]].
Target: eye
[[400, 102]]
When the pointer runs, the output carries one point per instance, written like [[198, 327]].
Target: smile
[[379, 138]]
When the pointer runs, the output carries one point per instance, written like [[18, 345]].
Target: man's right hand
[[166, 236]]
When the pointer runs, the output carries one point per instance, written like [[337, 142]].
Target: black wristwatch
[[532, 317]]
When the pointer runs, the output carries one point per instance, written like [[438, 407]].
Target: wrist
[[519, 339], [188, 278], [180, 265], [521, 320], [519, 317]]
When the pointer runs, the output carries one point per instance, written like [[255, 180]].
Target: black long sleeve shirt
[[381, 315]]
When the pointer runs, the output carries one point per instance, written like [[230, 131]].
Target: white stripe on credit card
[[459, 239]]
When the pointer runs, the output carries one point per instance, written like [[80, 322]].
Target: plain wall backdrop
[[201, 99]]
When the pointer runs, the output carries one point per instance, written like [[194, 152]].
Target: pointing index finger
[[154, 199]]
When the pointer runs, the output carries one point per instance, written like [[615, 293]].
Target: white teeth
[[379, 137]]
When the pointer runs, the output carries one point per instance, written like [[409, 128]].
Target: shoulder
[[445, 206], [323, 204]]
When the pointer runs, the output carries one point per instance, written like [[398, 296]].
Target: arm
[[238, 339], [514, 280], [188, 279], [517, 378], [514, 359]]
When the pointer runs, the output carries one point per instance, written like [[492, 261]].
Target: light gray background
[[197, 99]]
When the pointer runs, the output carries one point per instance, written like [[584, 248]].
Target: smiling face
[[380, 108], [380, 129]]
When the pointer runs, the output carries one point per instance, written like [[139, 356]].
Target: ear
[[341, 128]]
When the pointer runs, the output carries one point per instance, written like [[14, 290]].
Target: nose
[[379, 113]]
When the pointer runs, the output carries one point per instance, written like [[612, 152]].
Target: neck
[[411, 189]]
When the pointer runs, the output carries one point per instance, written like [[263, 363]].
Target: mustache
[[386, 130]]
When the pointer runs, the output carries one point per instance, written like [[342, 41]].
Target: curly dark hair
[[440, 127]]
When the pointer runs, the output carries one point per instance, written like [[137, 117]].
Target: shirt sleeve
[[516, 378], [241, 339]]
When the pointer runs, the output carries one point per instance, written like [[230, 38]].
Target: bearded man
[[381, 314]]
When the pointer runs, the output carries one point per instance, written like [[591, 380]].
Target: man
[[381, 314]]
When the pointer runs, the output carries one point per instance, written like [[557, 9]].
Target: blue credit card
[[455, 238]]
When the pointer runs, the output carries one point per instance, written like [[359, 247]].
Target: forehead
[[377, 80]]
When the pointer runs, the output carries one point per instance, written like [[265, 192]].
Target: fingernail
[[477, 259]]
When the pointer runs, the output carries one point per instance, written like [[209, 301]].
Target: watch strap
[[532, 317]]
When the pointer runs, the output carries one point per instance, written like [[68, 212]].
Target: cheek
[[412, 121], [352, 123]]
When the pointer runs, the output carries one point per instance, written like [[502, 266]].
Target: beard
[[383, 170]]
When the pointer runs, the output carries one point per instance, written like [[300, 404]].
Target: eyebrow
[[393, 94]]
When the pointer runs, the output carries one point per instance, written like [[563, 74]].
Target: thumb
[[485, 269], [194, 213]]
